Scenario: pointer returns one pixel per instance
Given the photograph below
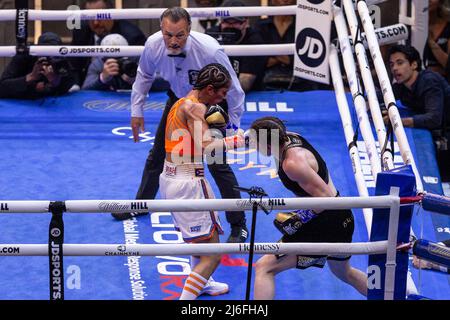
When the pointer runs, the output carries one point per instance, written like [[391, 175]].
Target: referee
[[178, 54]]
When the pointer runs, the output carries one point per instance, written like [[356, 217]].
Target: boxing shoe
[[239, 234], [214, 288]]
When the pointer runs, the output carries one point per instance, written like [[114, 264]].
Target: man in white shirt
[[178, 54]]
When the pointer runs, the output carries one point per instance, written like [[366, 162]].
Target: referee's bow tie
[[180, 55]]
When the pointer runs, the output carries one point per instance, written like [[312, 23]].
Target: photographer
[[111, 74], [237, 30], [29, 77], [92, 32]]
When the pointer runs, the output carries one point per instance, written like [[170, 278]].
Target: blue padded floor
[[78, 147]]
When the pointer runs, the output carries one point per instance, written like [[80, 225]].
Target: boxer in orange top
[[187, 135]]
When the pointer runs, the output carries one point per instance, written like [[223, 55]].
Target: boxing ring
[[52, 149], [78, 147]]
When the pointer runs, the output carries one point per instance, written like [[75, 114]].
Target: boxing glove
[[288, 223]]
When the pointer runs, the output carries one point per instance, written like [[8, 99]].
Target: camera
[[60, 66], [127, 66], [228, 36]]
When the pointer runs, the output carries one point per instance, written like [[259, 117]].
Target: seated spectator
[[92, 32], [437, 48], [425, 93], [236, 30], [111, 74], [203, 24], [279, 69], [30, 77]]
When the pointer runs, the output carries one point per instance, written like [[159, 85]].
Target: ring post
[[393, 267], [391, 253], [21, 26], [250, 255], [55, 250], [253, 192]]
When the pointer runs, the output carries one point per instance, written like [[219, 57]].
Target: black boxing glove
[[288, 223], [216, 117]]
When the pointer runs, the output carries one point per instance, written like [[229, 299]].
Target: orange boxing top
[[182, 141]]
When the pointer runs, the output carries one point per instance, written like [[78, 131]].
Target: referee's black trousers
[[222, 173]]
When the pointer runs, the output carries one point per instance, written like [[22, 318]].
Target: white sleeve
[[143, 83], [235, 96]]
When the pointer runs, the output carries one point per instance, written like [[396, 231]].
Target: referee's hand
[[136, 124]]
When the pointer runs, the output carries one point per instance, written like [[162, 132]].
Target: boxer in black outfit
[[303, 171]]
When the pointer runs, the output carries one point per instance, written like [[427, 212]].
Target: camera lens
[[128, 67], [60, 66]]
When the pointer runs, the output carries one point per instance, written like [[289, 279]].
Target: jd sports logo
[[55, 232], [310, 47], [63, 51]]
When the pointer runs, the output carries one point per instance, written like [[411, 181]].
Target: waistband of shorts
[[195, 169]]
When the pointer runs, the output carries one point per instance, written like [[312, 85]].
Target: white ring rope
[[117, 51], [145, 13], [366, 75], [359, 100], [86, 206], [349, 132], [155, 13], [388, 95], [385, 35], [357, 248]]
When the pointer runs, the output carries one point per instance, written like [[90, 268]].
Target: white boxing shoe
[[214, 288]]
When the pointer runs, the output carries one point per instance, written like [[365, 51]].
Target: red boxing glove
[[235, 141]]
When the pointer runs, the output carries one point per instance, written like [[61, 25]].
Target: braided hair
[[269, 124], [213, 74]]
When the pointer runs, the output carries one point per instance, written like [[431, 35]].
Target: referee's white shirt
[[181, 73]]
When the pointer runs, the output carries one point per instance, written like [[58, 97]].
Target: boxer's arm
[[199, 130], [298, 169]]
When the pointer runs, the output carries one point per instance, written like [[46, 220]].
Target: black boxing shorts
[[329, 226]]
